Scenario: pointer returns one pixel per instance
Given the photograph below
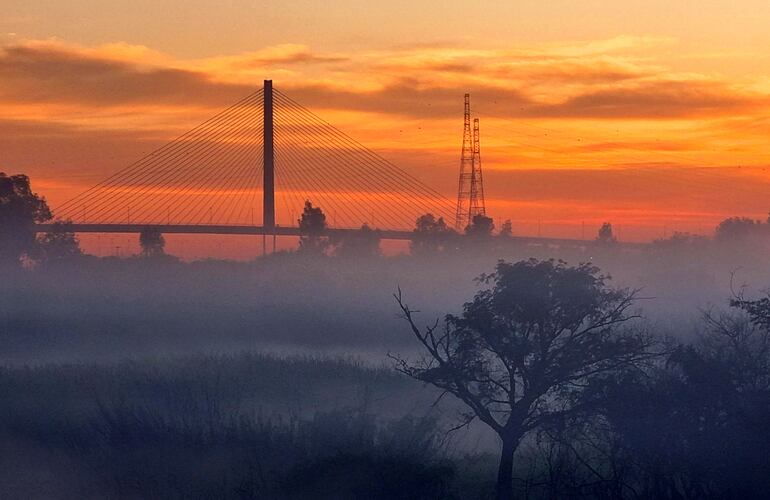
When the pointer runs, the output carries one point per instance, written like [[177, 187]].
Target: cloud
[[582, 81], [136, 54], [406, 97], [649, 100], [45, 73], [281, 55], [623, 43], [653, 100], [549, 71]]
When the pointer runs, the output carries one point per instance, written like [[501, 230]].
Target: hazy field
[[155, 378]]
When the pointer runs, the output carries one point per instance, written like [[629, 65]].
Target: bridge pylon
[[268, 159], [268, 165]]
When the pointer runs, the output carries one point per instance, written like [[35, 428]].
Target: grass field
[[230, 426]]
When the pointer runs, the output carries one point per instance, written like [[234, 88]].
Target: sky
[[652, 115]]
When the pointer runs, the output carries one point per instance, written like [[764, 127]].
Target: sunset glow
[[629, 115]]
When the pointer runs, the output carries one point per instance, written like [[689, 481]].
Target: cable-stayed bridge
[[249, 170]]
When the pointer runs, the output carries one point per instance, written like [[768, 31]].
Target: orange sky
[[651, 116]]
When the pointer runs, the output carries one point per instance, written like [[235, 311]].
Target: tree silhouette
[[60, 243], [679, 241], [522, 350], [430, 235], [696, 426], [312, 226], [152, 242], [362, 243], [506, 231], [481, 227], [605, 236], [738, 229], [20, 210]]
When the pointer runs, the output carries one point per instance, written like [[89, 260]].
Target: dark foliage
[[431, 236], [364, 243], [480, 228], [739, 230], [60, 244], [206, 427], [152, 242], [312, 226], [20, 209], [522, 351], [605, 235], [506, 231]]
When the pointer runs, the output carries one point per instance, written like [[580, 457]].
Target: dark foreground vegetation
[[544, 378], [691, 425], [238, 426]]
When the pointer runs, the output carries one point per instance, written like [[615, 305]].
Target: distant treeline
[[21, 209]]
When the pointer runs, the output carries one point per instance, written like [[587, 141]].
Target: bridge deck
[[211, 229], [288, 231]]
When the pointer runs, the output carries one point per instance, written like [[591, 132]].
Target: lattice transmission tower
[[470, 193]]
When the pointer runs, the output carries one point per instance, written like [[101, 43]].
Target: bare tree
[[523, 350]]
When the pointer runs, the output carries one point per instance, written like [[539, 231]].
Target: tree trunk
[[505, 471]]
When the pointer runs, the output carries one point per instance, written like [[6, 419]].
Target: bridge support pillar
[[268, 170]]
